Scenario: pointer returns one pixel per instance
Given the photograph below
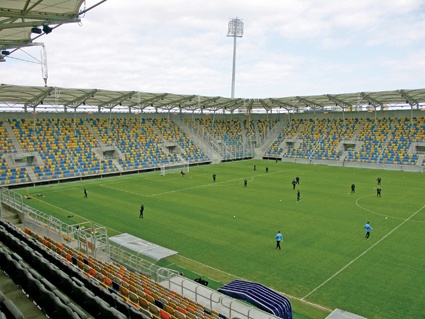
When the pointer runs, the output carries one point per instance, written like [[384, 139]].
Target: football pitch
[[224, 230]]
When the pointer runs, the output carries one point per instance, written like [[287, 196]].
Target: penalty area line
[[362, 254]]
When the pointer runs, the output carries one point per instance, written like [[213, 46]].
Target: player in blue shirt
[[279, 238], [368, 229]]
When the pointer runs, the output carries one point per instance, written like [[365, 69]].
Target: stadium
[[214, 176]]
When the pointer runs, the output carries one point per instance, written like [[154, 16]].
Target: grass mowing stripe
[[70, 213], [363, 253], [323, 232], [383, 215], [236, 277]]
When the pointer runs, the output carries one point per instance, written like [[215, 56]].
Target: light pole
[[235, 30]]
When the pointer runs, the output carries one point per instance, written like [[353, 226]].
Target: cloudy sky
[[289, 47]]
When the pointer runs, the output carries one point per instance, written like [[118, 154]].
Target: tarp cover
[[259, 295]]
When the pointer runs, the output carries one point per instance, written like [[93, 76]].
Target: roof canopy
[[139, 246], [20, 20], [30, 98]]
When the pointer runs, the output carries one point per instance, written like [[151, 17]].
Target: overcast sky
[[289, 47]]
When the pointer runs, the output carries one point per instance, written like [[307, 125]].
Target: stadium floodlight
[[36, 30], [47, 29], [235, 30]]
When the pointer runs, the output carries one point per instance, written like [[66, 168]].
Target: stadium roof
[[19, 17], [47, 99], [20, 20]]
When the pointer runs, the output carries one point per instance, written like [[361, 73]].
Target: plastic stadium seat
[[109, 296], [63, 298], [136, 314], [44, 299], [77, 293], [63, 282], [62, 310], [10, 310], [143, 303], [164, 315], [168, 308], [21, 276], [122, 306], [92, 303], [154, 309], [179, 315], [77, 310]]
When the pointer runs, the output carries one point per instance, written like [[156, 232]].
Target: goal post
[[174, 168]]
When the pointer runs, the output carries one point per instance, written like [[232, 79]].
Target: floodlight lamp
[[235, 28], [47, 29], [36, 30]]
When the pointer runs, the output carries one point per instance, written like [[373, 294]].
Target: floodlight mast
[[235, 30]]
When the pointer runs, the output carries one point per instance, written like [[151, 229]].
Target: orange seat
[[164, 315]]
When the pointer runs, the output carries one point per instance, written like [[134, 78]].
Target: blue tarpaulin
[[259, 295]]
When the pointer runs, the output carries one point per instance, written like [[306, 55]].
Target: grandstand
[[42, 149], [46, 149]]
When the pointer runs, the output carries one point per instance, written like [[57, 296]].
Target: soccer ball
[[234, 216]]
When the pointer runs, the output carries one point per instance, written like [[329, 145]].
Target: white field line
[[363, 253], [194, 261], [72, 213], [383, 215], [282, 293], [184, 189]]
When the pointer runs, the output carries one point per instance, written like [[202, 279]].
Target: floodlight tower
[[235, 30]]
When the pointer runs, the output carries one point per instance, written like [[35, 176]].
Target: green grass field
[[224, 230]]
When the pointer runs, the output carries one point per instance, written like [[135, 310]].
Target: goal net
[[174, 168]]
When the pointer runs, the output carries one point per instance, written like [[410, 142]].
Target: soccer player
[[279, 238], [378, 191], [85, 192], [214, 176], [368, 229], [255, 167], [245, 183], [378, 180], [353, 188], [297, 179], [142, 209], [267, 169], [298, 196], [294, 182]]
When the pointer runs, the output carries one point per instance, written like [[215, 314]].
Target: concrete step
[[12, 218]]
